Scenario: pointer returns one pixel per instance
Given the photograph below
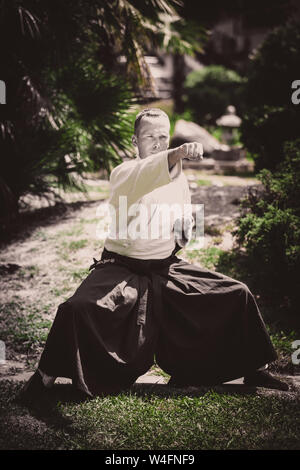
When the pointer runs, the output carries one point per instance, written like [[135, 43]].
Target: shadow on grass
[[40, 426], [23, 224], [46, 408]]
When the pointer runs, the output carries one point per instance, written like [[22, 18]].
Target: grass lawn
[[148, 418]]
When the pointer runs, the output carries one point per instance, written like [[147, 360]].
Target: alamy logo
[[296, 94], [296, 354], [2, 352], [184, 222], [2, 92]]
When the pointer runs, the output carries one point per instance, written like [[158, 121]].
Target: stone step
[[220, 166], [6, 373]]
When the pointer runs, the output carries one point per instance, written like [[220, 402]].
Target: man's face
[[153, 135]]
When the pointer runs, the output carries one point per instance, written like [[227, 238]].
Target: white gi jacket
[[146, 198]]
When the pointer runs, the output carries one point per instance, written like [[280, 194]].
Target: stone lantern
[[229, 122]]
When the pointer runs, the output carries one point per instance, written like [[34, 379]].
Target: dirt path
[[42, 268]]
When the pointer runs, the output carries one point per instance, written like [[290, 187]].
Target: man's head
[[151, 132]]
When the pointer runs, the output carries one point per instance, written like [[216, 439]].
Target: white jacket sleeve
[[138, 177]]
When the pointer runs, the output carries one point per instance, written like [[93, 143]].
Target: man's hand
[[183, 228], [192, 151]]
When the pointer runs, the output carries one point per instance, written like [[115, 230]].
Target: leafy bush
[[91, 125], [65, 112], [210, 90], [67, 105], [271, 118], [270, 233]]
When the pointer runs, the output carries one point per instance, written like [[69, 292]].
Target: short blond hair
[[149, 112]]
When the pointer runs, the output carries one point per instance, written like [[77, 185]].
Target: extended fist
[[192, 151]]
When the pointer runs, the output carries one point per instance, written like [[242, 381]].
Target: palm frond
[[28, 21]]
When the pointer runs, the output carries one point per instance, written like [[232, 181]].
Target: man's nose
[[156, 144]]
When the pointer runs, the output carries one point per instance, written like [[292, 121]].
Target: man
[[141, 300]]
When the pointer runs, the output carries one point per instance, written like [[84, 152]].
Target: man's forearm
[[173, 157]]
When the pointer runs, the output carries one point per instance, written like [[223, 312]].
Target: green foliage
[[174, 117], [207, 257], [43, 156], [67, 105], [65, 113], [270, 233], [217, 132], [271, 118], [210, 90]]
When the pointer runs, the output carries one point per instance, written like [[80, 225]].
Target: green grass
[[211, 421], [282, 340], [22, 327], [217, 240], [79, 274], [29, 271], [59, 291], [40, 235], [202, 182], [66, 248], [74, 231], [212, 230], [94, 220], [142, 419], [156, 370], [76, 245], [207, 257]]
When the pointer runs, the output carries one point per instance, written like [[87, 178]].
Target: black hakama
[[199, 324]]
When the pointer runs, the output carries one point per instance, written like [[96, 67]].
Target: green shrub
[[68, 96], [210, 90], [270, 233], [92, 124], [270, 116]]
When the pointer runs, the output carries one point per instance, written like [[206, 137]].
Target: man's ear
[[134, 140]]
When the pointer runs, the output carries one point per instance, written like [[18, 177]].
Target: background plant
[[68, 92], [210, 90], [271, 119], [270, 233]]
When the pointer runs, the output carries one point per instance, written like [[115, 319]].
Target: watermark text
[[2, 352], [296, 354], [156, 221], [296, 94], [2, 92]]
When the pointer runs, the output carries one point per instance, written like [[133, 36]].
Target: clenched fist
[[192, 151]]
